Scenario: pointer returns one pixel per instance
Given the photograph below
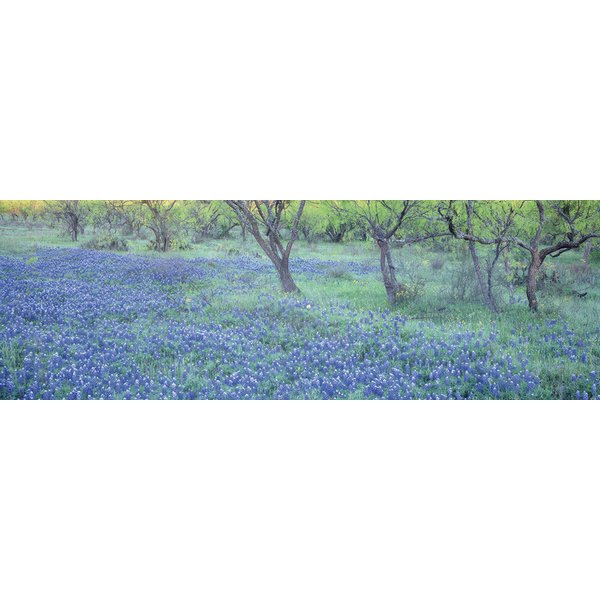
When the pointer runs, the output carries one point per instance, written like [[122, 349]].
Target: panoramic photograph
[[315, 300]]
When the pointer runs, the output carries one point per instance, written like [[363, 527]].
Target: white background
[[277, 500]]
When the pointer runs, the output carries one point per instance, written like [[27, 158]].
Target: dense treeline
[[516, 236]]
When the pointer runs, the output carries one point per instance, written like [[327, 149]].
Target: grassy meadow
[[225, 291]]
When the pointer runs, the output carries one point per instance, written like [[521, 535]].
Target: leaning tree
[[384, 221], [542, 228], [558, 226], [267, 215]]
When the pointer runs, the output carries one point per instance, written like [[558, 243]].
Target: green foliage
[[181, 244], [106, 242]]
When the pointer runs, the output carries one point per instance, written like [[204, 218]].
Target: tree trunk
[[587, 250], [157, 239], [485, 290], [490, 279], [532, 273], [74, 228], [388, 271], [287, 283], [508, 274], [336, 235]]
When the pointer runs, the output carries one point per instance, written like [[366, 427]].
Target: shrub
[[409, 291], [579, 269], [549, 276], [437, 263], [180, 244], [339, 273], [174, 244], [580, 273], [412, 283], [106, 242], [462, 281]]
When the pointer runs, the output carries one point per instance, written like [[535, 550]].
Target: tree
[[340, 220], [268, 214], [499, 218], [22, 210], [159, 216], [105, 215], [383, 221], [202, 216], [161, 222], [70, 214], [311, 224], [487, 218], [568, 225], [227, 222], [561, 225]]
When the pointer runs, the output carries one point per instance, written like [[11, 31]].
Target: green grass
[[364, 293]]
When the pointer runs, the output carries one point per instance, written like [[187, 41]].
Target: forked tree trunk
[[271, 241], [532, 273]]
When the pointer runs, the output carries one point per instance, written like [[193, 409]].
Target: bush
[[462, 282], [174, 244], [579, 270], [339, 273], [180, 244], [437, 264], [106, 242], [407, 292], [413, 283]]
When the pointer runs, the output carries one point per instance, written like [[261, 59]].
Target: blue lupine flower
[[100, 325]]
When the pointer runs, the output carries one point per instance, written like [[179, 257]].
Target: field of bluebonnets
[[211, 323]]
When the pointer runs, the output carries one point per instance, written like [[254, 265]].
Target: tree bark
[[269, 215], [485, 291], [532, 273], [490, 278], [287, 283], [587, 250], [508, 275], [480, 281], [74, 227], [388, 271]]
